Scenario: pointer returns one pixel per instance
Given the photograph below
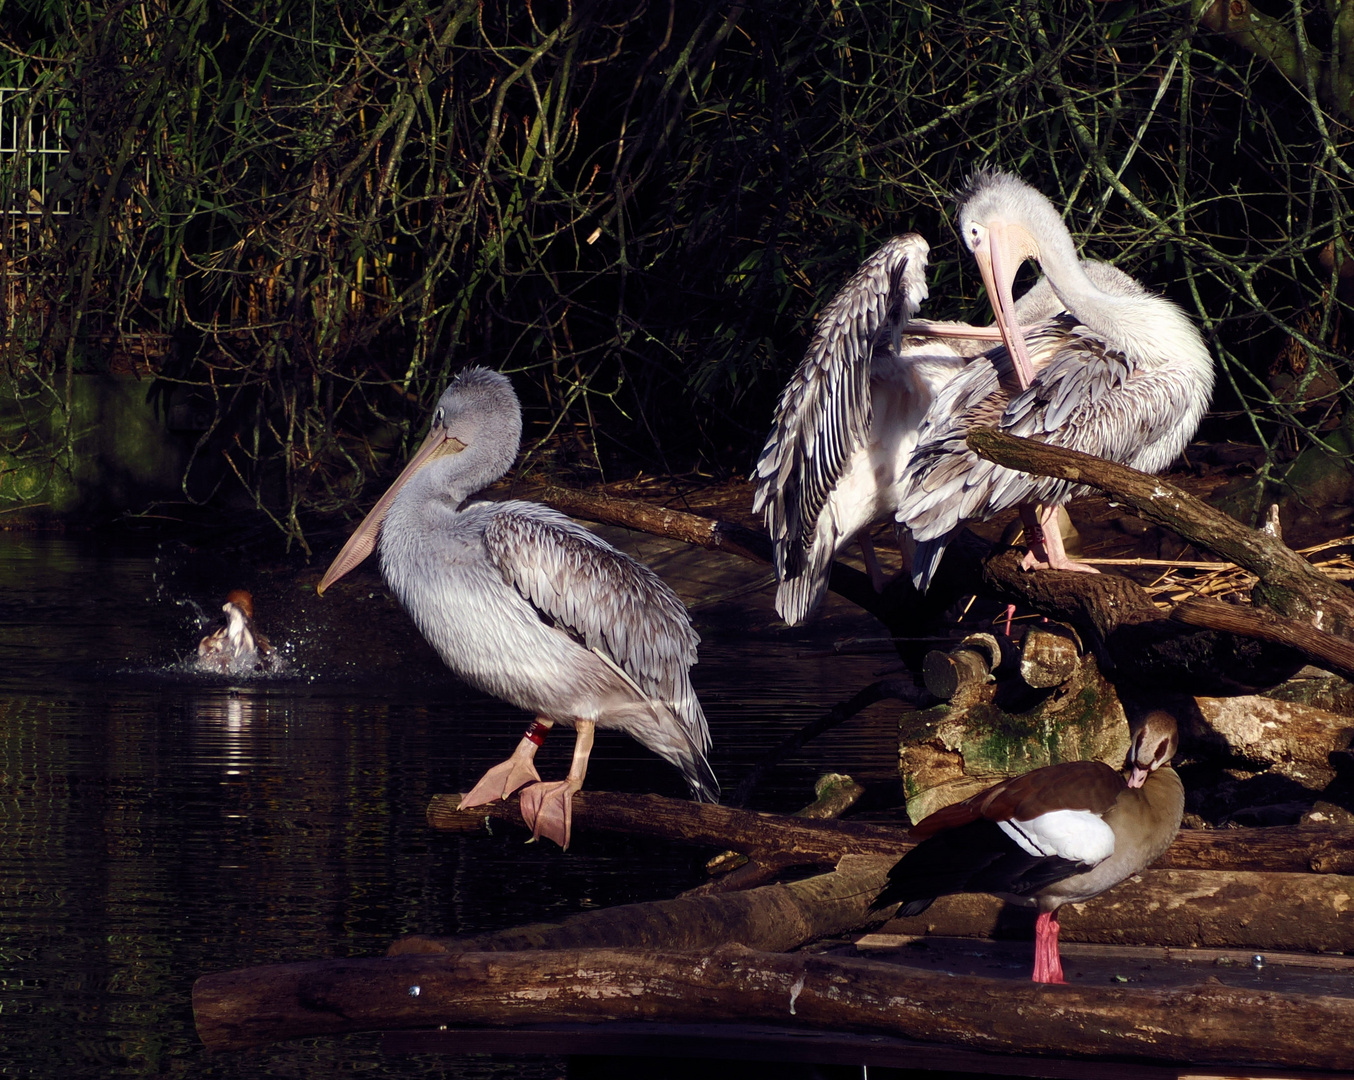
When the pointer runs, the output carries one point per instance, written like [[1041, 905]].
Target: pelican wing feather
[[612, 604], [824, 413]]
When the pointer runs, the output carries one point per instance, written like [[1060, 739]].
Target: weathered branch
[[1288, 583], [777, 918], [1140, 642], [1262, 35], [804, 842]]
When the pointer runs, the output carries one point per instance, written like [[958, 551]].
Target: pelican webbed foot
[[1043, 532], [507, 776], [549, 809]]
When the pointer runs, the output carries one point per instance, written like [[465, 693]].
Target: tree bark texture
[[1335, 654], [1206, 1022]]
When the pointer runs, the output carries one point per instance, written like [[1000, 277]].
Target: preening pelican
[[236, 648], [524, 604], [848, 420], [1120, 374]]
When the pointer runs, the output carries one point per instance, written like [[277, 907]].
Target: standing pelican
[[848, 420], [524, 604], [1120, 374]]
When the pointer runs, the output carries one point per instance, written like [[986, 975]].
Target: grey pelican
[[1120, 373], [236, 648], [1056, 835], [524, 604], [848, 419]]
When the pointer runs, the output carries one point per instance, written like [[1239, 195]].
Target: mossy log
[[994, 730]]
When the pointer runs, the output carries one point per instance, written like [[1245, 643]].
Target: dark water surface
[[156, 825]]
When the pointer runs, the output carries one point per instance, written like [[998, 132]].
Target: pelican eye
[[439, 417]]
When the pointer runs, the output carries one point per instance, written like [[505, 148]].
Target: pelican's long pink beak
[[363, 541], [926, 328], [998, 261]]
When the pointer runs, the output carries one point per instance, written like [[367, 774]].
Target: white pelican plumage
[[1120, 373], [848, 420], [526, 605]]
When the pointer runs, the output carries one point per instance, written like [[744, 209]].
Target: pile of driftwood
[[727, 953], [1231, 941]]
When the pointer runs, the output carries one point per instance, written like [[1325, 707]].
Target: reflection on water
[[156, 825]]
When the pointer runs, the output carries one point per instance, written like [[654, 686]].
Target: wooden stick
[[702, 532], [794, 841], [1204, 1022]]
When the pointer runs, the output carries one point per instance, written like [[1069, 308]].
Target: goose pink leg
[[1048, 967]]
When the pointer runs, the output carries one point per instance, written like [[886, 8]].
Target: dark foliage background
[[309, 216]]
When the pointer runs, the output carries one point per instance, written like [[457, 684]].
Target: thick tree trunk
[[1205, 1022]]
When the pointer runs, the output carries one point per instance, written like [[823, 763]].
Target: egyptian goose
[[236, 648], [1057, 835]]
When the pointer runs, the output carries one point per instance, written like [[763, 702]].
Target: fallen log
[[804, 842], [774, 918], [1227, 909], [1203, 1022], [1233, 909], [1288, 584]]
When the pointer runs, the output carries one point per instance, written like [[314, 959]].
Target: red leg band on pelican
[[536, 733]]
